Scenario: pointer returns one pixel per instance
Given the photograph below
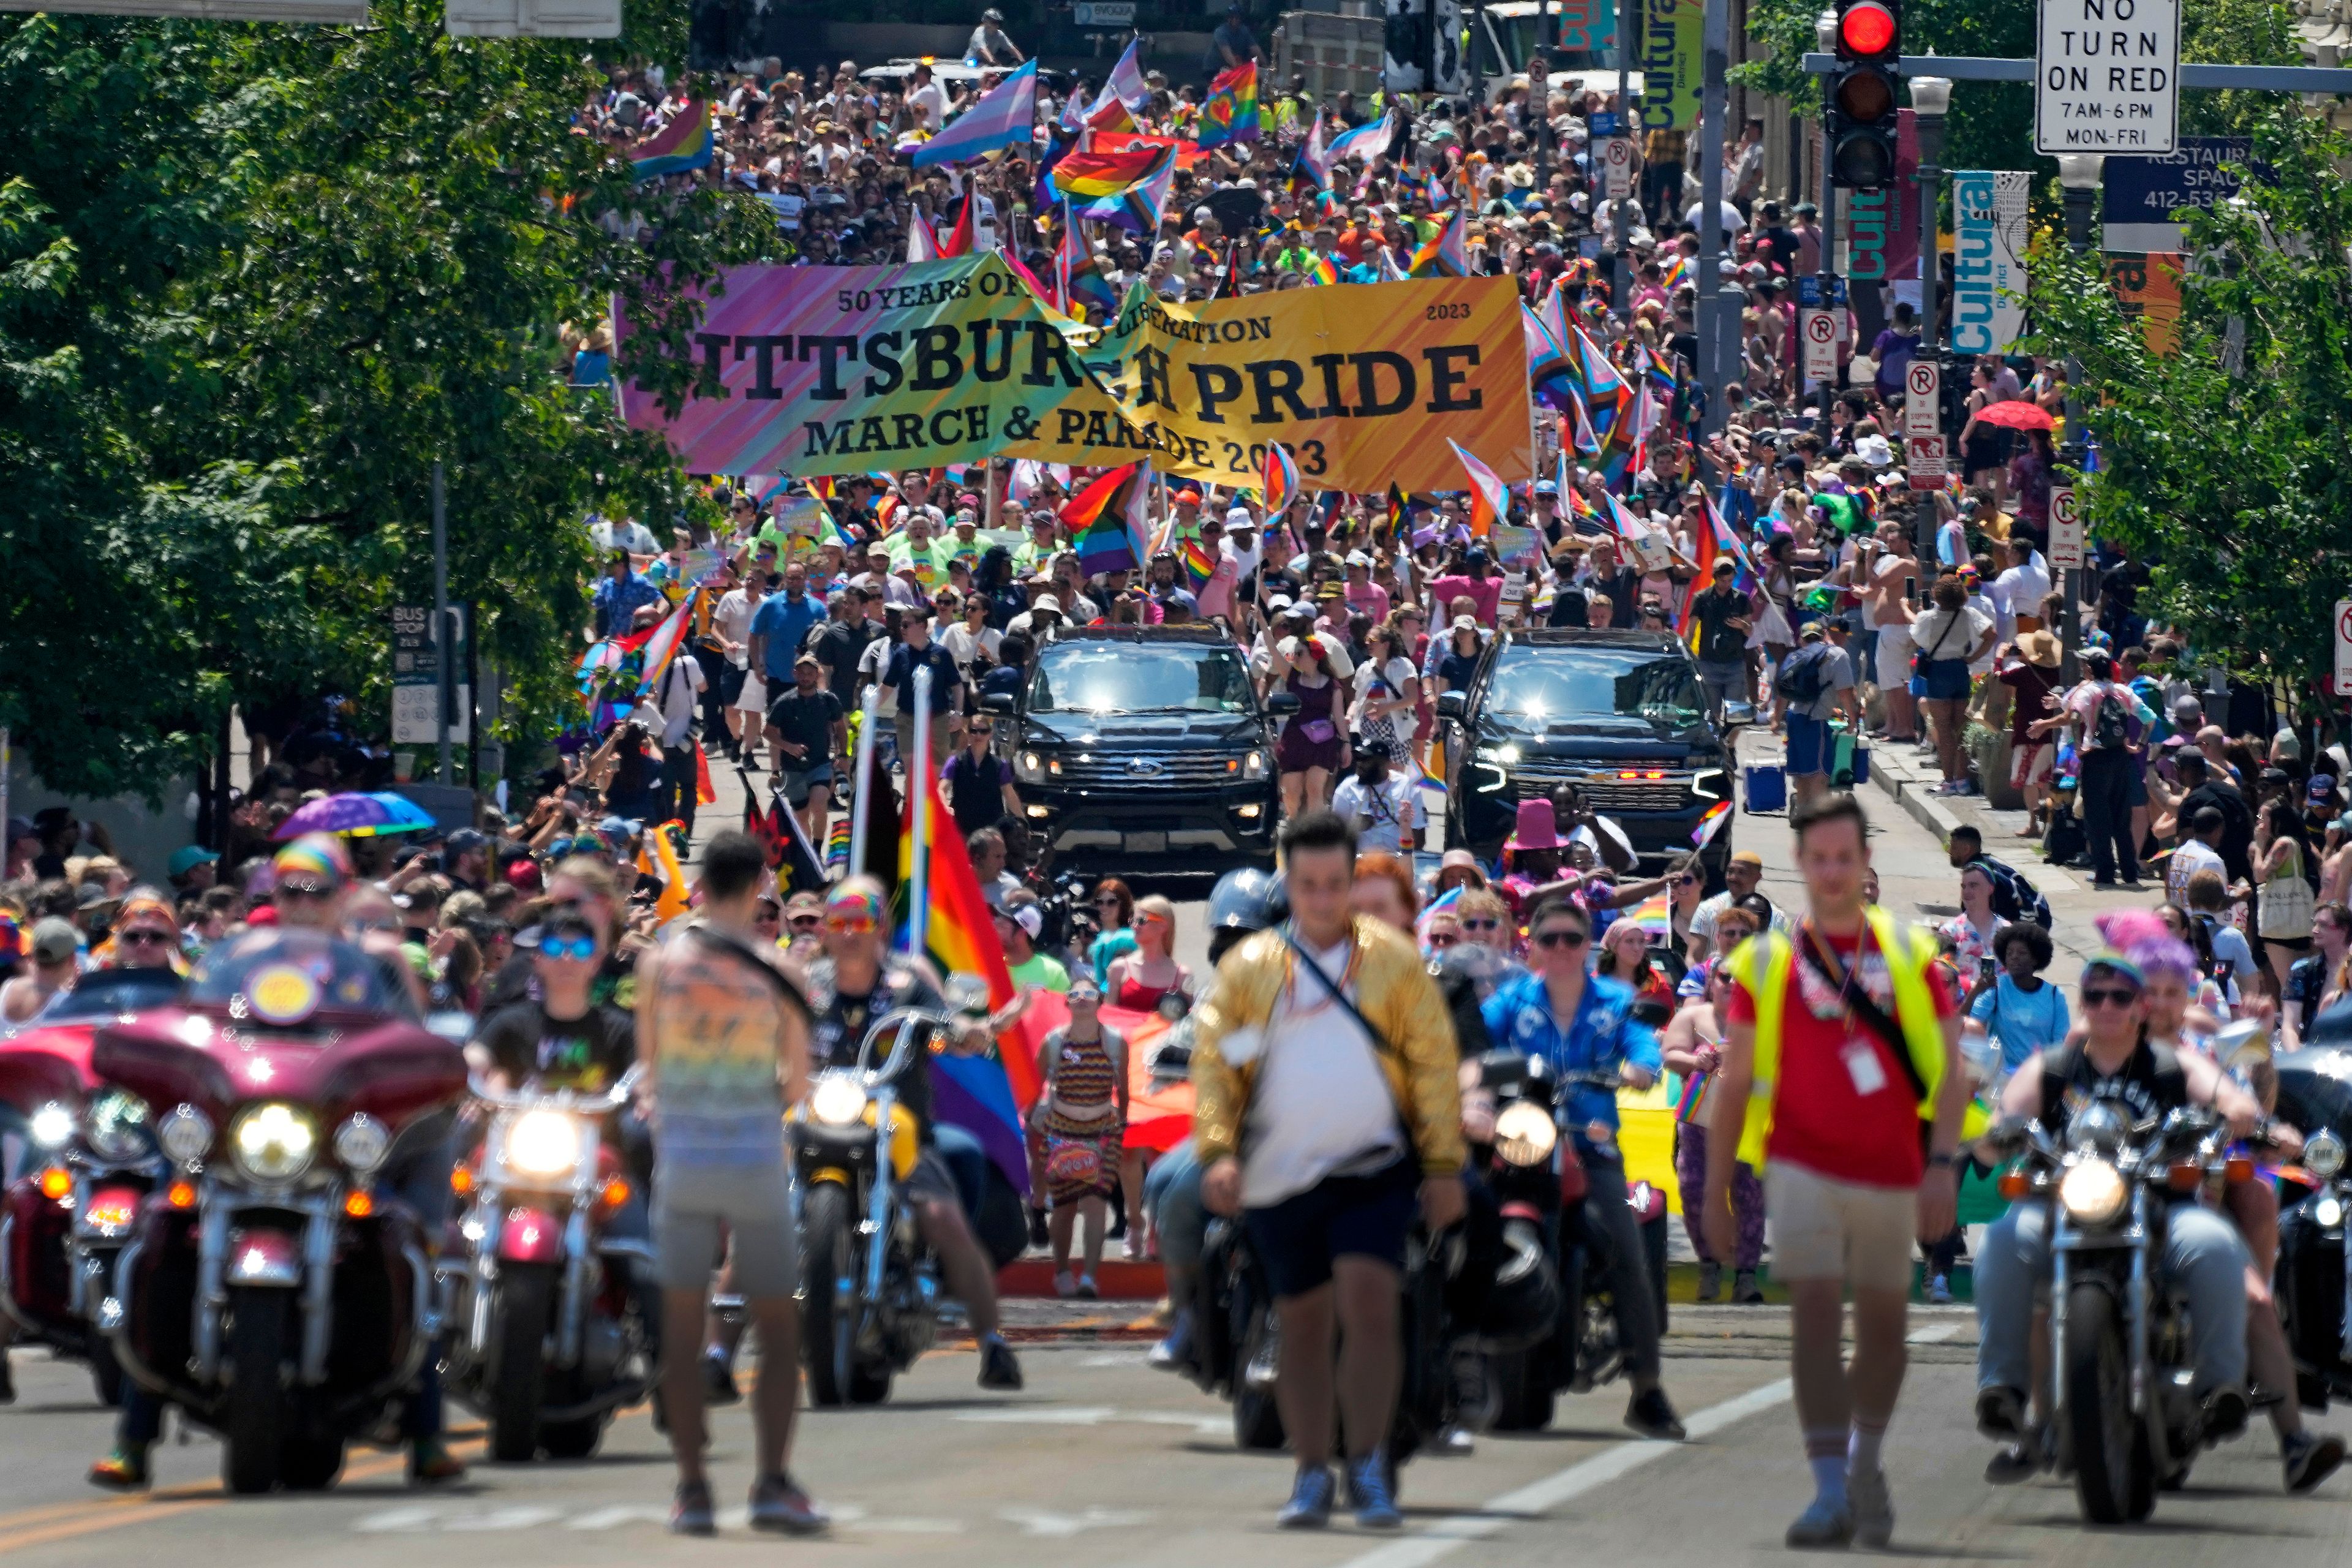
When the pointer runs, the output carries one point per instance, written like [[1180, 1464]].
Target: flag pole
[[919, 802], [861, 805]]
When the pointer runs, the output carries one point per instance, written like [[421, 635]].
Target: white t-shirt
[[1383, 815], [870, 666], [2187, 861], [929, 104], [678, 687], [1321, 1106], [963, 647], [1395, 673], [731, 619]]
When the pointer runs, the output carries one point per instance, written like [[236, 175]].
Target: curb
[[1917, 800]]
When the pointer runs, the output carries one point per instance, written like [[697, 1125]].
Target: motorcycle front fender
[[263, 1256], [530, 1235]]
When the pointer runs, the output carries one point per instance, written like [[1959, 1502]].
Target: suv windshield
[[1140, 677], [1540, 684]]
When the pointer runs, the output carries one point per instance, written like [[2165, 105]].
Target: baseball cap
[[54, 941], [187, 857], [1465, 623]]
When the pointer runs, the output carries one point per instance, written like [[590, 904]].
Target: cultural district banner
[[805, 371]]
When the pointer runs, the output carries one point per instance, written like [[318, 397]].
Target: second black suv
[[1145, 748], [1619, 714]]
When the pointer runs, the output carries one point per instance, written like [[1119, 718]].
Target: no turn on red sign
[[2065, 530], [1923, 383], [1820, 329], [2344, 647], [1617, 167]]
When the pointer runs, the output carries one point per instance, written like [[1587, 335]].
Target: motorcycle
[[63, 1223], [268, 1288], [2125, 1421], [557, 1328], [1539, 1178], [869, 1286], [2314, 1286]]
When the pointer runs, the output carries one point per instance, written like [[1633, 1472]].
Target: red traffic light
[[1866, 30]]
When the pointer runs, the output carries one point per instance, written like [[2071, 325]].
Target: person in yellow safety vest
[[1840, 1084]]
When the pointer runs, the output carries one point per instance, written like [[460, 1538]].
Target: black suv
[[1144, 747], [1619, 714]]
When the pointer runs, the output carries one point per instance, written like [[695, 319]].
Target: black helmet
[[1243, 902]]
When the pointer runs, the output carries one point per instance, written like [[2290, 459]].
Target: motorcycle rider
[[1345, 1082], [858, 980], [146, 934], [1581, 1022], [723, 1033], [2116, 1061], [1243, 902]]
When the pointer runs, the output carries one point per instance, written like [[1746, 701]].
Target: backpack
[[1804, 676], [2110, 725]]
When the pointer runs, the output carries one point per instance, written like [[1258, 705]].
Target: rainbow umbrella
[[357, 815]]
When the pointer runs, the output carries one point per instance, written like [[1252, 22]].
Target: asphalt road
[[1101, 1457]]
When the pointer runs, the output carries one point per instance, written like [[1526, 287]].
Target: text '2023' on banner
[[809, 371]]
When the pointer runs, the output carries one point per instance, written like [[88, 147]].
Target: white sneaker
[[1065, 1285]]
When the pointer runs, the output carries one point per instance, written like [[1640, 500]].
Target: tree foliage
[[254, 282], [2231, 470]]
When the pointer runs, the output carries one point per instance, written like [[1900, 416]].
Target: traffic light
[[1861, 108]]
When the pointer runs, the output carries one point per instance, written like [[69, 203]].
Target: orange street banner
[[1368, 385], [2147, 290]]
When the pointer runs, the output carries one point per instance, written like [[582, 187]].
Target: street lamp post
[[1539, 101], [1931, 99], [1629, 31], [1825, 32], [2079, 174]]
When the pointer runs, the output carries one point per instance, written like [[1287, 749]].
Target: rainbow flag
[[1676, 273], [1079, 276], [1085, 174], [1550, 380], [1105, 519], [1138, 206], [1320, 270], [1230, 111], [685, 142], [984, 1095], [1718, 816], [1653, 917], [1197, 564], [1704, 551], [837, 848], [1490, 501], [1448, 254], [1278, 481]]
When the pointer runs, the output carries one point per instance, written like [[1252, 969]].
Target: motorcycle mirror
[[2243, 1044], [967, 993]]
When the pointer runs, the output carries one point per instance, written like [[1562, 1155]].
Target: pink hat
[[1537, 827]]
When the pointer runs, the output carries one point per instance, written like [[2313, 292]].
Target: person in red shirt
[[1860, 1155]]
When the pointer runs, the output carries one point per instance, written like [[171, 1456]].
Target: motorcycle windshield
[[283, 976]]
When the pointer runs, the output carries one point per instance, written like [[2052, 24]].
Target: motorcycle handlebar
[[568, 1100], [899, 1018]]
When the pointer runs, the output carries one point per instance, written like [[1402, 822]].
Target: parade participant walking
[[1840, 1042], [1082, 1115], [1584, 1023], [1329, 1046], [724, 1036]]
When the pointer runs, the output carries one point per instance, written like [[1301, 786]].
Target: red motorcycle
[[65, 1220], [273, 1291]]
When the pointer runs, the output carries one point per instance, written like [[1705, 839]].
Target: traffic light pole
[[1718, 317], [1825, 224], [1928, 115], [1620, 282]]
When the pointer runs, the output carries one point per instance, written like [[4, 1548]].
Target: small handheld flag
[[1279, 480], [685, 143], [1490, 501]]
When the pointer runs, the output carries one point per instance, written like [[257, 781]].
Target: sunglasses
[[1480, 925], [1084, 998], [767, 917], [2101, 997], [1686, 881], [1150, 919], [143, 939], [1442, 941], [850, 925], [572, 947], [1553, 939], [1106, 903], [304, 890], [807, 922]]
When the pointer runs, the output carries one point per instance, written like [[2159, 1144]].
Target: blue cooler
[[1765, 786]]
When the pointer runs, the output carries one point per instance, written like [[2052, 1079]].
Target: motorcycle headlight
[[2323, 1155], [187, 1134], [2328, 1212], [837, 1101], [2093, 1193], [52, 1126], [1525, 1133], [360, 1143], [542, 1143], [116, 1125], [1254, 766], [274, 1142]]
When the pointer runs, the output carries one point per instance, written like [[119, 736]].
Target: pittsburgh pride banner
[[807, 370]]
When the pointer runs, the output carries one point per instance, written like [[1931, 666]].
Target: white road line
[[1449, 1535], [1933, 1334]]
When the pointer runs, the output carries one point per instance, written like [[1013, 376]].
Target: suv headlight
[[2093, 1193], [542, 1144], [1501, 756], [52, 1126], [837, 1101], [1254, 766], [273, 1143], [1029, 767], [1525, 1133]]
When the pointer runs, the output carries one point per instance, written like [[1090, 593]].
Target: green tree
[[254, 282], [2226, 463]]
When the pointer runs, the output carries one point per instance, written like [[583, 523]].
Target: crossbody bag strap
[[1871, 1016], [1381, 1043]]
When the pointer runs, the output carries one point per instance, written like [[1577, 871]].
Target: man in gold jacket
[[1326, 1108]]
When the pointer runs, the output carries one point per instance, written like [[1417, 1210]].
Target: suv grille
[[1625, 785], [1186, 770]]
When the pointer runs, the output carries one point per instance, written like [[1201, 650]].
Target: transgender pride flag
[[1004, 117]]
